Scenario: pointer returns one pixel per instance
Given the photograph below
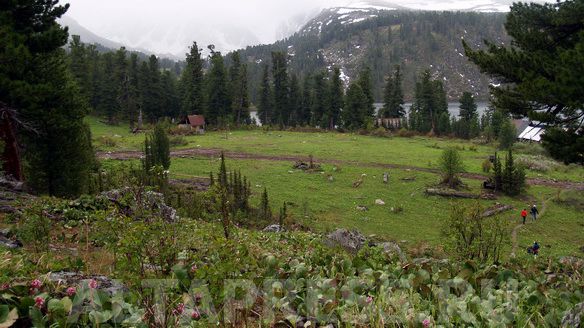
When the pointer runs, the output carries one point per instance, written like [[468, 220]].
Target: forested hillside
[[415, 40]]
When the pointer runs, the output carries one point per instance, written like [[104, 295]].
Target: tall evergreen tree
[[541, 73], [320, 100], [356, 110], [151, 89], [108, 90], [295, 101], [238, 89], [192, 101], [430, 103], [169, 97], [265, 105], [281, 92], [468, 107], [218, 102], [79, 65], [393, 98], [133, 85], [336, 96], [34, 80], [366, 85], [304, 114]]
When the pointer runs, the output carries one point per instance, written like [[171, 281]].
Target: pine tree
[[151, 89], [366, 86], [58, 155], [265, 106], [133, 103], [356, 108], [191, 83], [320, 100], [169, 97], [393, 98], [79, 65], [295, 101], [336, 95], [108, 91], [281, 92], [305, 114], [468, 107], [238, 89], [218, 101]]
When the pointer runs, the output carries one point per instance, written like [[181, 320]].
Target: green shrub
[[451, 166]]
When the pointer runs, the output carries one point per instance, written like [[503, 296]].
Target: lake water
[[453, 108]]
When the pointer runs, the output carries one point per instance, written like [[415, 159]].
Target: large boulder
[[7, 241], [352, 241], [393, 250], [150, 200], [574, 317], [74, 279]]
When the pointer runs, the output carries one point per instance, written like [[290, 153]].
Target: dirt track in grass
[[213, 152]]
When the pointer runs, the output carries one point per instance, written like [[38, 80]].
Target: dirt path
[[521, 225], [212, 152]]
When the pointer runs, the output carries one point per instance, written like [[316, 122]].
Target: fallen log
[[496, 210], [457, 194]]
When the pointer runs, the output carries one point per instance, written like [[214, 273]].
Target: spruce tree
[[336, 95], [295, 101], [366, 86], [218, 100], [265, 112], [320, 100], [238, 89], [281, 92], [355, 112], [191, 83], [304, 113], [468, 107], [34, 80], [393, 98]]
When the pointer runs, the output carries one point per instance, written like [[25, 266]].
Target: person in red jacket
[[524, 215]]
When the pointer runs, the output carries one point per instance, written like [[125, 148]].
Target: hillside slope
[[382, 37]]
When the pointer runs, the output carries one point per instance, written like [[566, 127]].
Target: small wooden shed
[[194, 122]]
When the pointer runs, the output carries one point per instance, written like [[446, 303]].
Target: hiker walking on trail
[[535, 248], [524, 215], [534, 212]]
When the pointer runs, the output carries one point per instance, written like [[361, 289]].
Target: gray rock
[[349, 240], [273, 228], [110, 286], [362, 208], [573, 318], [7, 242], [150, 200], [393, 250]]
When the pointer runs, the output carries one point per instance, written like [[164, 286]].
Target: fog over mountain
[[169, 27]]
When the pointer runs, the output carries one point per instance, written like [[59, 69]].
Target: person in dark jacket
[[534, 212], [535, 248]]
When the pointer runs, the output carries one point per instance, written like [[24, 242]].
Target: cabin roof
[[196, 120]]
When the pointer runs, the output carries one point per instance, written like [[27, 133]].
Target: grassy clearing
[[324, 205], [417, 151]]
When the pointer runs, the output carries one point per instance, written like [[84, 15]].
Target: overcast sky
[[169, 26]]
